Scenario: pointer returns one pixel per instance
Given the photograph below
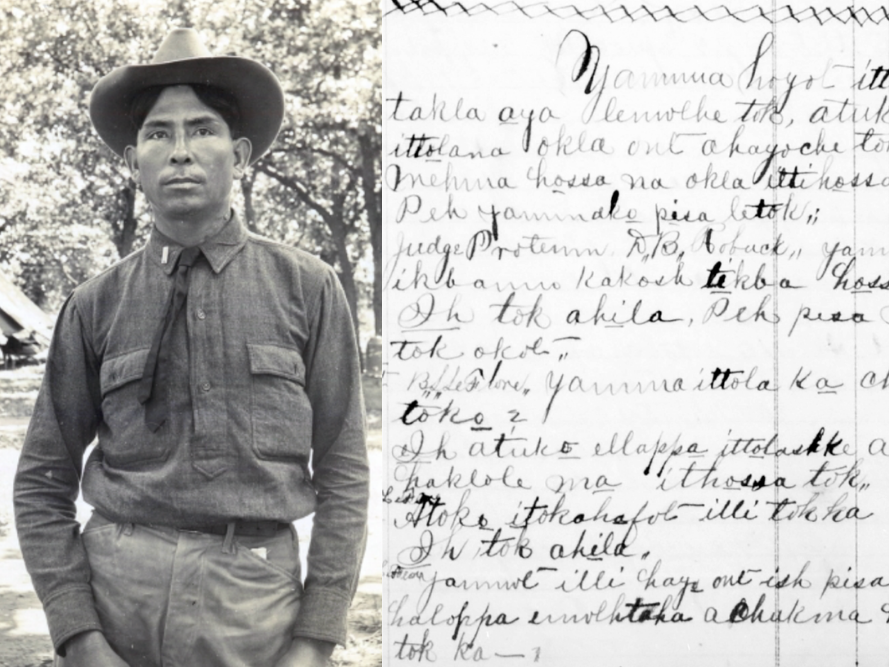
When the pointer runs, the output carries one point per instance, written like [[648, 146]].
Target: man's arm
[[90, 649], [307, 653], [48, 480], [340, 468]]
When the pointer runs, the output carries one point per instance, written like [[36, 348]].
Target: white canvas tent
[[18, 313]]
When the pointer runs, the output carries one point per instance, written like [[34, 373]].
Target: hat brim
[[257, 90]]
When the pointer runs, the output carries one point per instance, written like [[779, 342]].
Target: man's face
[[185, 158]]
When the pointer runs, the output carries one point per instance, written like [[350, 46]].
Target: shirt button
[[202, 315], [205, 386]]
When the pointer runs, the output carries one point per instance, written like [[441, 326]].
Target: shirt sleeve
[[340, 468], [47, 482]]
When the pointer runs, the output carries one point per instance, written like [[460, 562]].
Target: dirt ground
[[24, 639]]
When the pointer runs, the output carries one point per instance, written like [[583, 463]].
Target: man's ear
[[243, 149], [129, 156]]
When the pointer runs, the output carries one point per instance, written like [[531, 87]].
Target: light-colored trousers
[[171, 598]]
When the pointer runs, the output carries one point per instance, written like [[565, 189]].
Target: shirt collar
[[219, 249]]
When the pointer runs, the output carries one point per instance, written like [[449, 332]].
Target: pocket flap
[[285, 362], [123, 368]]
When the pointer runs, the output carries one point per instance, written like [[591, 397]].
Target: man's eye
[[156, 134], [203, 132]]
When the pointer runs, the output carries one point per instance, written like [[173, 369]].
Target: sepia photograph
[[191, 319]]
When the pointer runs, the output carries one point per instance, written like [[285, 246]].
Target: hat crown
[[180, 44]]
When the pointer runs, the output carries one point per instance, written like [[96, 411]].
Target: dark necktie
[[152, 392]]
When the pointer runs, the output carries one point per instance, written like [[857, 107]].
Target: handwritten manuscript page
[[637, 356]]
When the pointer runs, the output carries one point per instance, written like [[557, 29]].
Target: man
[[212, 365]]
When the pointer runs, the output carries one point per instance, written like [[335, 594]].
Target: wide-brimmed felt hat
[[180, 60]]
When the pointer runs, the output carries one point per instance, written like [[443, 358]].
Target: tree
[[47, 259], [319, 185], [52, 55]]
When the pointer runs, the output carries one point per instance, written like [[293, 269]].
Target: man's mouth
[[182, 180]]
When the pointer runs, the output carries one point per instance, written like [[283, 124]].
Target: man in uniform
[[219, 371]]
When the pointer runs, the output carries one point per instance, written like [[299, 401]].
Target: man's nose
[[181, 152]]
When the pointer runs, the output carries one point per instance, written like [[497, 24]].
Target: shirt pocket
[[280, 409], [126, 441]]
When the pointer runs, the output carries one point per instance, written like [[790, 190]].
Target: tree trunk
[[249, 210], [347, 277], [124, 228], [373, 206]]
